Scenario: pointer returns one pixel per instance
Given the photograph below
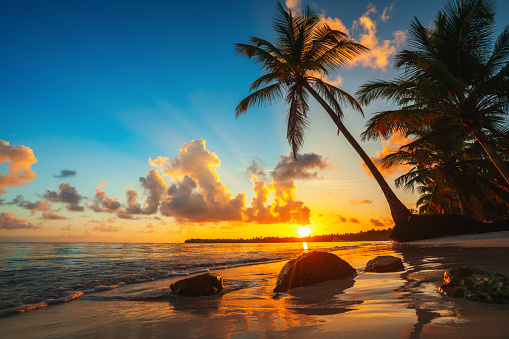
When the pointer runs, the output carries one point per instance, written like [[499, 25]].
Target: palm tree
[[451, 172], [306, 50], [453, 71]]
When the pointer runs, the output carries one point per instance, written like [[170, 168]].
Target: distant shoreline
[[371, 235]]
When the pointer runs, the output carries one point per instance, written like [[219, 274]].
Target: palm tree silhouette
[[453, 72], [306, 50]]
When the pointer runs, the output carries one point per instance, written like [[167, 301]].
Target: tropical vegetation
[[452, 97]]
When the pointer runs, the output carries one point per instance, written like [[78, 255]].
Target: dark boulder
[[420, 227], [200, 285], [384, 263], [311, 268], [476, 285]]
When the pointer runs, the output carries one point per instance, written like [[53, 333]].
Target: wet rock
[[476, 285], [311, 268], [384, 263], [200, 285]]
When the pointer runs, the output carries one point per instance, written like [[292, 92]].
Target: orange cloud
[[293, 4], [20, 160], [52, 215], [335, 24], [385, 14], [390, 145], [9, 222], [382, 222], [379, 51], [104, 203], [362, 202], [197, 195]]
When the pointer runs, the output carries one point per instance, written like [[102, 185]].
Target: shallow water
[[402, 304], [33, 275]]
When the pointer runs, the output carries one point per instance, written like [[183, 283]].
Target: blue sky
[[101, 87]]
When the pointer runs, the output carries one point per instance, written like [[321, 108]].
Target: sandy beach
[[404, 304]]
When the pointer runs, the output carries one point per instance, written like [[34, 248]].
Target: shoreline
[[384, 305], [491, 239]]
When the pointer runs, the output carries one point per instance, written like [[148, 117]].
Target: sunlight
[[304, 231], [305, 245]]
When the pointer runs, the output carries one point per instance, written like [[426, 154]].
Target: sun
[[304, 231]]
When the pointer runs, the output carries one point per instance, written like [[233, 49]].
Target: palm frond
[[269, 94]]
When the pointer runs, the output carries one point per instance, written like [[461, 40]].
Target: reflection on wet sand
[[402, 304], [425, 272]]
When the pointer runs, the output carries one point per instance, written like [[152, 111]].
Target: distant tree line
[[371, 235]]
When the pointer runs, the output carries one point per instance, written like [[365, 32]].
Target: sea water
[[33, 275]]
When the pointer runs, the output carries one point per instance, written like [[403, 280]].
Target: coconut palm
[[454, 70], [451, 172], [305, 51]]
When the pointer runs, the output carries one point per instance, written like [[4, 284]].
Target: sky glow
[[118, 123]]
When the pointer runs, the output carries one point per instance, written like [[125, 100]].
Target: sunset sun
[[304, 231]]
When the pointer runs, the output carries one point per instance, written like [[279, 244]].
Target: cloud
[[256, 168], [155, 188], [67, 195], [294, 5], [103, 203], [52, 215], [9, 222], [341, 218], [287, 169], [14, 201], [65, 173], [385, 14], [335, 23], [362, 202], [197, 194], [20, 160], [381, 222], [104, 228], [379, 51], [355, 220], [390, 146]]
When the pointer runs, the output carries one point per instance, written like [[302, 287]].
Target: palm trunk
[[399, 211], [463, 206], [492, 153]]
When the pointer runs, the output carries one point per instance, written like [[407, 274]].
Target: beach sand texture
[[404, 304]]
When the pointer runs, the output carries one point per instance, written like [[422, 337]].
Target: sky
[[118, 123]]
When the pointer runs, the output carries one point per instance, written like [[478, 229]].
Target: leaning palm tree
[[305, 51], [455, 71], [450, 171]]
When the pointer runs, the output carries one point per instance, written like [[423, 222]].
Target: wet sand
[[404, 304]]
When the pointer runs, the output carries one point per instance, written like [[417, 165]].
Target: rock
[[476, 285], [200, 285], [311, 268], [384, 263]]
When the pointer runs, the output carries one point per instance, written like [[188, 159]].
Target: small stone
[[311, 268], [200, 285], [476, 285], [384, 263]]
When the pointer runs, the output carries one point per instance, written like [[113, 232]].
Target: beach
[[402, 304]]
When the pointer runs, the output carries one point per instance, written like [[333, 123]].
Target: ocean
[[34, 275]]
